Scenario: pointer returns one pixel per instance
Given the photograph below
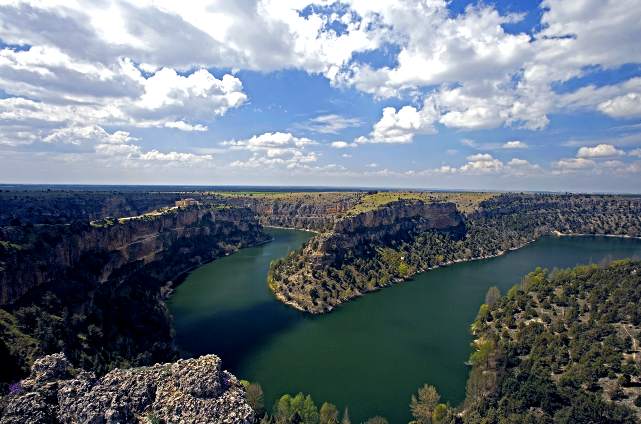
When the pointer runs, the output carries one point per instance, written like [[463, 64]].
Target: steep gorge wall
[[309, 211], [96, 292], [396, 221], [38, 255], [304, 279], [20, 207]]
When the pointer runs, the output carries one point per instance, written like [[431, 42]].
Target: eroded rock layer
[[301, 280]]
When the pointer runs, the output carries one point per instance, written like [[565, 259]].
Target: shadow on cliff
[[233, 335]]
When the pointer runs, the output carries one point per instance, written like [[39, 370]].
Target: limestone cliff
[[330, 268], [311, 211], [96, 291], [33, 256], [186, 391], [397, 221]]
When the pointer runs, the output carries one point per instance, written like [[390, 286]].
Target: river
[[372, 353]]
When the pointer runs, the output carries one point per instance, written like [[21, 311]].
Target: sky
[[492, 95]]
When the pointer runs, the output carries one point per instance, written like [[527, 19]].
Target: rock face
[[186, 391], [60, 249], [311, 211], [395, 221], [96, 291], [330, 268]]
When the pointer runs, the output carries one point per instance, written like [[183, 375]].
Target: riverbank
[[291, 303], [396, 281], [292, 228], [625, 236], [419, 332]]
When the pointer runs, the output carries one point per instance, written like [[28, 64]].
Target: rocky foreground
[[186, 391]]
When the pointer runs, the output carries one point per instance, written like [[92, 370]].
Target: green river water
[[370, 354]]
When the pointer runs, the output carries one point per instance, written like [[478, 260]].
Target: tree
[[255, 397], [346, 419], [297, 409], [423, 406], [328, 414], [441, 414], [283, 409], [309, 411], [492, 296]]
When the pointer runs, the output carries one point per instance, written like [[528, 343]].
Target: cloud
[[274, 149], [80, 135], [480, 76], [342, 144], [183, 126], [484, 164], [400, 126], [133, 155], [599, 151], [197, 95], [260, 35], [128, 150], [155, 155], [520, 167], [516, 144], [625, 106], [573, 164], [164, 99], [437, 48], [635, 152], [329, 124], [481, 163]]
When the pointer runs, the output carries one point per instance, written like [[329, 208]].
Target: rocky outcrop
[[355, 257], [33, 256], [186, 391], [310, 211], [396, 221]]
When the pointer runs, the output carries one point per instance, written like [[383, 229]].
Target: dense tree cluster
[[562, 346], [297, 409], [499, 223]]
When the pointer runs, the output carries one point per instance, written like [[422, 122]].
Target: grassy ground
[[465, 201]]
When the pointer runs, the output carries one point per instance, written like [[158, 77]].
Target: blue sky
[[426, 94]]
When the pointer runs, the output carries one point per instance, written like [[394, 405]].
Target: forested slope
[[562, 346], [322, 275]]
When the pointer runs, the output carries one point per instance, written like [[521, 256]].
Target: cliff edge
[[330, 268]]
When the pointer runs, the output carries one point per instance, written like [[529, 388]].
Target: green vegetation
[[465, 201], [301, 409], [9, 246], [255, 397], [17, 350], [562, 346]]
